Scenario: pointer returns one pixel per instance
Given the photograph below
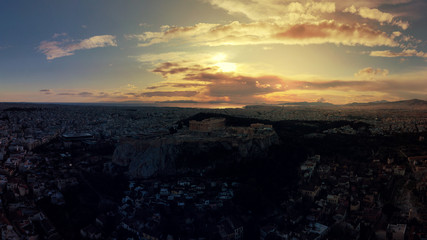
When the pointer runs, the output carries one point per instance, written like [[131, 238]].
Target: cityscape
[[260, 172], [213, 120]]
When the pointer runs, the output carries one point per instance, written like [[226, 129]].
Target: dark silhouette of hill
[[404, 104]]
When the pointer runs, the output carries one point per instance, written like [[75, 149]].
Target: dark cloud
[[169, 94], [168, 68], [153, 87], [195, 102], [223, 84], [103, 95], [46, 91], [85, 94], [186, 85], [179, 101]]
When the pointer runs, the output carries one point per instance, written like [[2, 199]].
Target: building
[[333, 199], [230, 229], [318, 229], [207, 125], [310, 191], [396, 231], [261, 126], [77, 136]]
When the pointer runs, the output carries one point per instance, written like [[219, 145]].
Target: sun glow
[[226, 66], [220, 57]]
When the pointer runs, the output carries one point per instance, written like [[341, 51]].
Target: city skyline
[[213, 52]]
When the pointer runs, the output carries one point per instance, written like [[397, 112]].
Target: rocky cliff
[[186, 152]]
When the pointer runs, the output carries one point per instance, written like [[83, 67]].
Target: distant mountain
[[125, 103], [367, 104], [413, 103], [306, 104]]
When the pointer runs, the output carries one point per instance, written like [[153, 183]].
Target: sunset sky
[[212, 52]]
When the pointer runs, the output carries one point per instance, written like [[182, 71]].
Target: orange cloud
[[237, 33], [284, 11], [371, 73], [332, 32], [404, 53], [375, 14], [169, 94], [265, 9]]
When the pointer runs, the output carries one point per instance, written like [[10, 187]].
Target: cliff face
[[177, 153]]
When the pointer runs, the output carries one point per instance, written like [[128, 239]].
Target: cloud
[[56, 49], [168, 68], [380, 86], [371, 73], [153, 87], [57, 35], [79, 94], [215, 84], [172, 57], [238, 88], [397, 34], [262, 9], [237, 33], [93, 95], [214, 87], [52, 50], [375, 14], [85, 94], [176, 85], [179, 101], [352, 9], [332, 32], [4, 47], [144, 24], [169, 94], [289, 22], [46, 91], [304, 11], [137, 94], [285, 11], [185, 85], [404, 53]]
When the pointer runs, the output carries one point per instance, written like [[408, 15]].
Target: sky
[[212, 53]]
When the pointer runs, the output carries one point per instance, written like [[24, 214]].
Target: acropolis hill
[[205, 144]]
